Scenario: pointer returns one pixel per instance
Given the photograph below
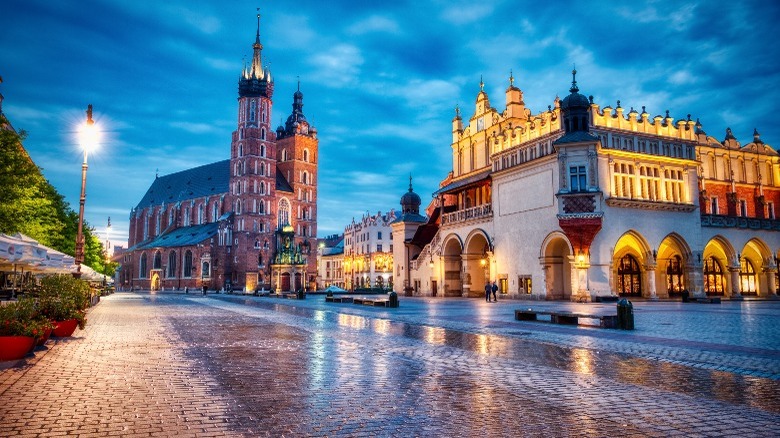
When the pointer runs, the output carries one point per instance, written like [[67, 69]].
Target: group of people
[[491, 287]]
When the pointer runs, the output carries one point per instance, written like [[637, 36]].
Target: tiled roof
[[198, 182], [281, 184], [184, 236], [576, 137], [463, 182]]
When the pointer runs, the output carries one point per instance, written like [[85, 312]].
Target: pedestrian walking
[[487, 291], [494, 289]]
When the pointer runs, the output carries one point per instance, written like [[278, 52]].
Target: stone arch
[[630, 261], [719, 255], [557, 257], [477, 260], [674, 266], [757, 255], [452, 250]]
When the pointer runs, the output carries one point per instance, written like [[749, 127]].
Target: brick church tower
[[297, 149]]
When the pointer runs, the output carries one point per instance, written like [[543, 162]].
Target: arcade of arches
[[637, 269]]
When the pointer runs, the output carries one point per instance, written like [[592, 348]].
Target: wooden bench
[[567, 318], [338, 299]]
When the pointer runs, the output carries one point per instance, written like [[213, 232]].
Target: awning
[[461, 183]]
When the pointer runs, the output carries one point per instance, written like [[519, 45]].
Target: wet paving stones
[[173, 365]]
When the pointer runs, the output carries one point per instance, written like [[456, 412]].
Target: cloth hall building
[[248, 222], [582, 201]]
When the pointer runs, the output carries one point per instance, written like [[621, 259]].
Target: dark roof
[[576, 137], [281, 183], [424, 235], [198, 182], [463, 182], [411, 217], [184, 236]]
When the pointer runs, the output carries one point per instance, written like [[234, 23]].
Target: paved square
[[188, 365]]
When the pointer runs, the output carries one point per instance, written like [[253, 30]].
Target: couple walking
[[490, 288]]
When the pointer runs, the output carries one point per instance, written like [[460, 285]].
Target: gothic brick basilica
[[246, 223]]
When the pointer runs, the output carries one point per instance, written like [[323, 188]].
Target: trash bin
[[625, 315], [393, 302]]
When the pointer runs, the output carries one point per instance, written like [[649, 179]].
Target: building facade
[[330, 261], [245, 223], [583, 201], [368, 252]]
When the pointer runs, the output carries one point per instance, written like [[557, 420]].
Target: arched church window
[[215, 212], [713, 276], [262, 150], [675, 281], [187, 264], [142, 266], [240, 150], [629, 276], [238, 206], [306, 155], [252, 110], [262, 132], [157, 261], [284, 154], [747, 277], [284, 212], [305, 177], [171, 271], [262, 188]]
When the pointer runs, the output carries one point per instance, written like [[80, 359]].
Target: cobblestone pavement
[[184, 365]]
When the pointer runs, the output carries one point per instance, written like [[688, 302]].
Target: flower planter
[[63, 329], [15, 347], [43, 338]]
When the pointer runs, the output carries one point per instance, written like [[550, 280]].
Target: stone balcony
[[480, 212]]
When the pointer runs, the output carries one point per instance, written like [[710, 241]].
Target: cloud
[[195, 128], [338, 66], [374, 23]]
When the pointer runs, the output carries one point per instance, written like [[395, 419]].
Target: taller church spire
[[256, 80]]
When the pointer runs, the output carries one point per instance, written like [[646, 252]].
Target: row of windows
[[636, 144], [742, 211], [170, 271], [186, 218], [629, 276], [285, 155], [742, 171], [648, 185], [260, 168]]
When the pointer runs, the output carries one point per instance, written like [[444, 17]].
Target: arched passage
[[476, 264], [674, 270], [451, 255], [756, 274], [557, 259], [719, 276]]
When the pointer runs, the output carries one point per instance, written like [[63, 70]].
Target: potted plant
[[64, 300], [21, 324]]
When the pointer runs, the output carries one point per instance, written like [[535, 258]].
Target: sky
[[380, 81]]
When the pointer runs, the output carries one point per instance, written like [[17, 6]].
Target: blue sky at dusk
[[380, 81]]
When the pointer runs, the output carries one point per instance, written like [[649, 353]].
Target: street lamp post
[[87, 139]]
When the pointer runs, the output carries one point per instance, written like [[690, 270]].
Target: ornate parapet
[[479, 212], [649, 205]]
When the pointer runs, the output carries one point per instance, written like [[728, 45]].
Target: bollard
[[625, 315], [393, 302], [204, 289]]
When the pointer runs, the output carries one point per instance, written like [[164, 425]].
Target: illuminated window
[[747, 277], [629, 276], [674, 275], [713, 277]]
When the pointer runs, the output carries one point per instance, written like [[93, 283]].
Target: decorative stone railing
[[479, 212], [718, 221]]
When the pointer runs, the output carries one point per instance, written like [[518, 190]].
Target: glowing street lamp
[[88, 138]]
